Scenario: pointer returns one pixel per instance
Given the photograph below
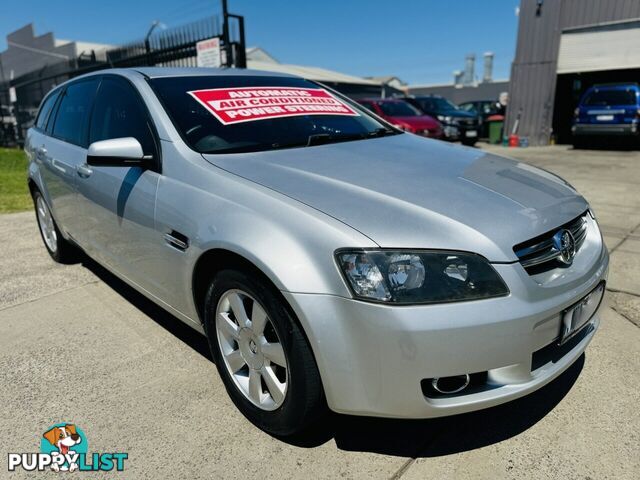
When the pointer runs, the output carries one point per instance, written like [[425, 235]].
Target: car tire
[[469, 143], [581, 143], [59, 249], [281, 400]]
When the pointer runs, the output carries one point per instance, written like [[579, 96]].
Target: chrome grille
[[539, 254]]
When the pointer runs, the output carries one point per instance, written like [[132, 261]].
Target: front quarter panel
[[292, 244]]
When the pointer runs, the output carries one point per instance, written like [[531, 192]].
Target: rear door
[[36, 142], [117, 202], [64, 149]]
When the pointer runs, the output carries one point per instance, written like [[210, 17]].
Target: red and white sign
[[248, 104], [208, 53]]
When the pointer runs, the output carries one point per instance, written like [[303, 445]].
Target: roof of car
[[163, 72], [616, 85], [388, 100], [158, 72]]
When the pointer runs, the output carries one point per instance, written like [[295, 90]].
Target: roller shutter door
[[608, 47]]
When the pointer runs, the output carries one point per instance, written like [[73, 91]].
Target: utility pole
[[147, 42]]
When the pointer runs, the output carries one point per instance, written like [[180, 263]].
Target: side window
[[468, 107], [427, 105], [45, 110], [119, 113], [73, 114]]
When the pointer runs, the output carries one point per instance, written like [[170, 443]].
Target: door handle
[[84, 171]]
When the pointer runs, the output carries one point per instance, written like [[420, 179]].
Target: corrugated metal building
[[564, 47]]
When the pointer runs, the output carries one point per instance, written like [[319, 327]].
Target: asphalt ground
[[78, 345]]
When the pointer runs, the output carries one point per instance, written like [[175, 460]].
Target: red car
[[405, 116]]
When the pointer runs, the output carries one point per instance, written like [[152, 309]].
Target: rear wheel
[[261, 354], [60, 249]]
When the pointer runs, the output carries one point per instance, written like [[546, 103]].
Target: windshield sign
[[235, 105]]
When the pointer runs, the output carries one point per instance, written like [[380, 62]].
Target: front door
[[117, 202]]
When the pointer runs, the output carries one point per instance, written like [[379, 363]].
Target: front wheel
[[262, 355], [469, 142]]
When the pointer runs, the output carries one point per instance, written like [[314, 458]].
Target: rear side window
[[73, 114], [45, 110], [369, 106], [398, 109], [611, 97], [118, 113]]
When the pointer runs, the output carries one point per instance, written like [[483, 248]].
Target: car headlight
[[412, 277], [445, 118]]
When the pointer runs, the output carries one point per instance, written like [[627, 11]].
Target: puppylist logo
[[63, 448]]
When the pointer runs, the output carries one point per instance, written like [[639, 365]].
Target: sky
[[419, 41]]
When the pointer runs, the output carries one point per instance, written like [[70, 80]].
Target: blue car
[[607, 110]]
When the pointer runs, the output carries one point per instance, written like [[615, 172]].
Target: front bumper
[[373, 358], [621, 129], [436, 133], [458, 131]]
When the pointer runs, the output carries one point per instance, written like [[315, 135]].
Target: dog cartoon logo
[[64, 448], [64, 438]]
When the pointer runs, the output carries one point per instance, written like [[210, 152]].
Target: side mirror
[[116, 152]]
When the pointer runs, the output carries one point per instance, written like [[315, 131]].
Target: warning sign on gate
[[208, 53], [249, 104]]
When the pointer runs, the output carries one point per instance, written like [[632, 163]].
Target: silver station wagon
[[333, 261]]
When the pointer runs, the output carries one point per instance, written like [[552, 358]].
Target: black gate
[[174, 47]]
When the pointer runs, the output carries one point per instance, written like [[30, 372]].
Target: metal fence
[[174, 47], [8, 133]]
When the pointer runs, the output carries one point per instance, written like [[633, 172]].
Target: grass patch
[[14, 193]]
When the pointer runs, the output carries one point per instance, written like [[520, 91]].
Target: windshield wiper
[[324, 138], [312, 140]]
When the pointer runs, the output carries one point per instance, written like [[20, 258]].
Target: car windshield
[[398, 109], [611, 97], [232, 114], [437, 104]]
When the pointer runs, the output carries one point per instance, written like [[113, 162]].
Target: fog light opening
[[450, 385]]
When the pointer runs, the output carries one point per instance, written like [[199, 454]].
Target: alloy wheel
[[251, 349]]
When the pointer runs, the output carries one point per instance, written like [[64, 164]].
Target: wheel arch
[[217, 259], [31, 183]]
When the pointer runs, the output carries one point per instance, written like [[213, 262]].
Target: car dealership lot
[[77, 345]]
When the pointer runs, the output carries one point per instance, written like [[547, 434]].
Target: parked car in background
[[404, 116], [457, 124], [607, 110], [482, 109]]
